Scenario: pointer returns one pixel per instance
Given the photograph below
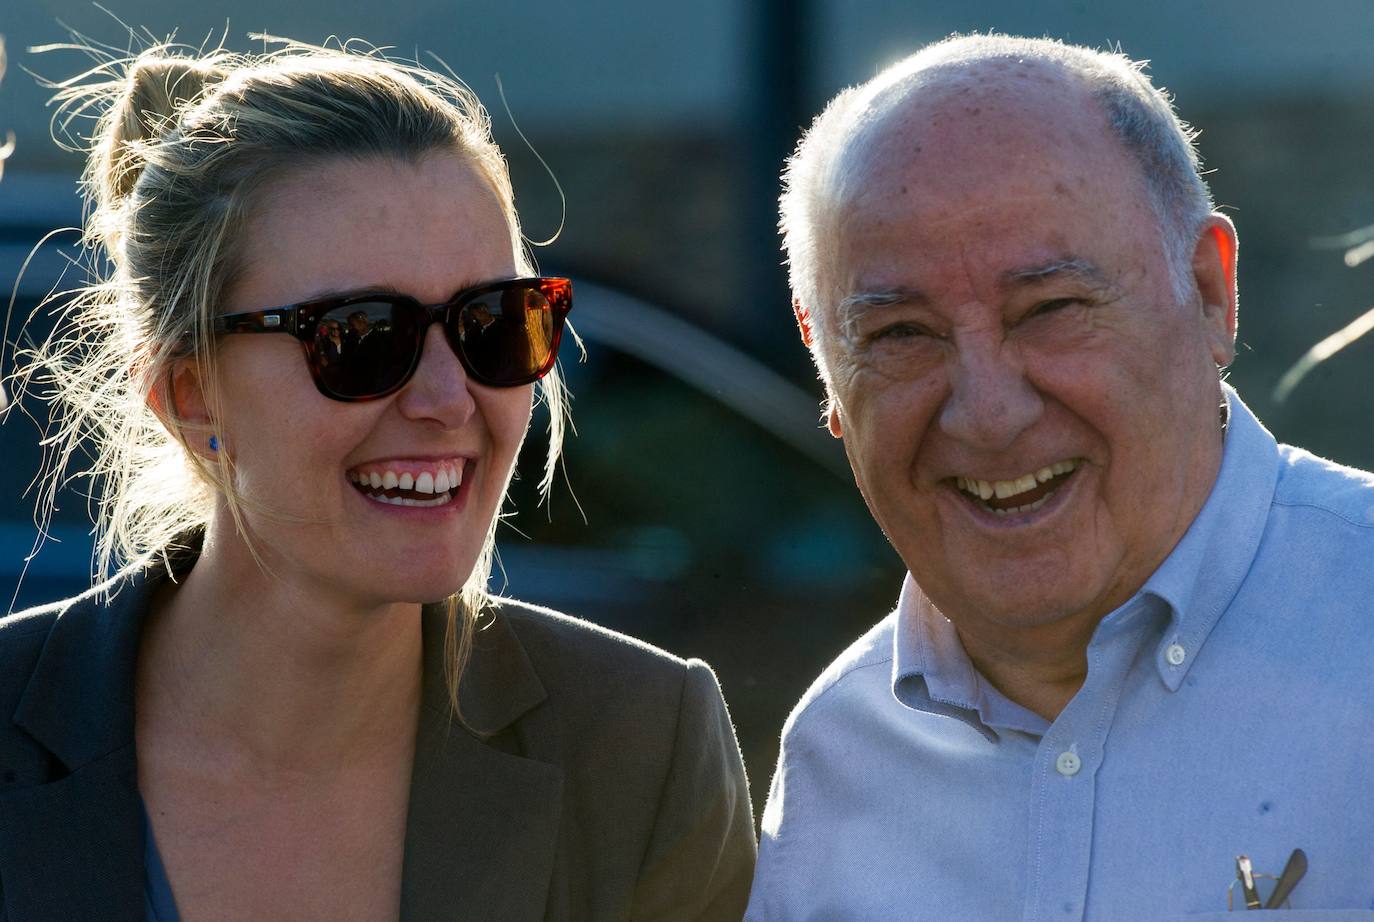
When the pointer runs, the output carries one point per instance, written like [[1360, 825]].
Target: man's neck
[[1039, 668]]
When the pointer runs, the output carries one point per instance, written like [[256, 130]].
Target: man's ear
[[808, 335], [1214, 270], [803, 322], [179, 400]]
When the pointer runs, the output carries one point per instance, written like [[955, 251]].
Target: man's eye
[[899, 331], [1049, 307]]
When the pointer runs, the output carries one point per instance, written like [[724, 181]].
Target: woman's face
[[425, 229]]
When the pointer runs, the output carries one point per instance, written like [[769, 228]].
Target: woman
[[263, 715]]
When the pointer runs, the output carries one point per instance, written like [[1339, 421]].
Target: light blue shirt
[[1228, 709]]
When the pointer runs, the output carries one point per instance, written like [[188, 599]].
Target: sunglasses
[[363, 347]]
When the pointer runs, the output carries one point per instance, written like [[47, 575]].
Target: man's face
[[1005, 324]]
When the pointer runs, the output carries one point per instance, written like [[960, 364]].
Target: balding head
[[1020, 310], [990, 86]]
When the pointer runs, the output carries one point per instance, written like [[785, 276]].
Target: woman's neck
[[268, 676]]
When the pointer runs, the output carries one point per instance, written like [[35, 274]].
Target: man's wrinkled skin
[[1001, 302]]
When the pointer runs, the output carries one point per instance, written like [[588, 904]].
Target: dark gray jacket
[[605, 782]]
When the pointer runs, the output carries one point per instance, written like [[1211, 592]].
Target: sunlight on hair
[[827, 163], [180, 142]]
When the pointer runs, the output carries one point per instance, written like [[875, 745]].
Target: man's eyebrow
[[859, 302], [1068, 267], [855, 305]]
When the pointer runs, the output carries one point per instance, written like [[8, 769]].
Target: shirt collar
[[1206, 568], [931, 672]]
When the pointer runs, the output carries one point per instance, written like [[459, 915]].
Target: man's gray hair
[[1142, 116]]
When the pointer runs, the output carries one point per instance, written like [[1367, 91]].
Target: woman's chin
[[420, 573], [429, 593], [405, 587]]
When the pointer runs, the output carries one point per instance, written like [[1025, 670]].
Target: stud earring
[[214, 443]]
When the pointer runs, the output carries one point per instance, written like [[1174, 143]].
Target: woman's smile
[[414, 483]]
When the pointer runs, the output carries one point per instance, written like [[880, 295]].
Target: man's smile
[[1025, 493]]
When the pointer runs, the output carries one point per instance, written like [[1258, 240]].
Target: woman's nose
[[440, 388]]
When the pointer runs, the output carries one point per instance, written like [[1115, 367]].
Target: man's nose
[[990, 401], [440, 389]]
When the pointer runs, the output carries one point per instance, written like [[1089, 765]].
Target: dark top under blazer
[[605, 783]]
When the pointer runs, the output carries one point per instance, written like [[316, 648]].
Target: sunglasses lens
[[509, 335], [365, 348]]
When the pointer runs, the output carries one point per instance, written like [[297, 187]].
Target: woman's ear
[[180, 402]]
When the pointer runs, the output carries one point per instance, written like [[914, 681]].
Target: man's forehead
[[949, 111], [1008, 141]]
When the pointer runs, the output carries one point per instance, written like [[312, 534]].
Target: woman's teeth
[[407, 501], [407, 488]]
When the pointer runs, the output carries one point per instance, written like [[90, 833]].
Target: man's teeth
[[439, 482], [1005, 489]]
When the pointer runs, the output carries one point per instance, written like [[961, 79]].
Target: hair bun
[[156, 90]]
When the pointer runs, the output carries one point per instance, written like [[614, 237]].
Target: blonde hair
[[182, 145]]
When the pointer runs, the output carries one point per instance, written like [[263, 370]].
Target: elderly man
[[1135, 641]]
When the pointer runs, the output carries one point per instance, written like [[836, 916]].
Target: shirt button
[[1068, 764], [1175, 655]]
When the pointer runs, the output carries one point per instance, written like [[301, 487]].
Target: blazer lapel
[[482, 829], [73, 848]]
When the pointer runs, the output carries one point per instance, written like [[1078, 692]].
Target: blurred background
[[703, 508]]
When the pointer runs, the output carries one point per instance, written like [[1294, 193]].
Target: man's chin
[[1013, 604]]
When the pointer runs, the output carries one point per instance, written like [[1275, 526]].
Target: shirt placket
[[1064, 779]]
